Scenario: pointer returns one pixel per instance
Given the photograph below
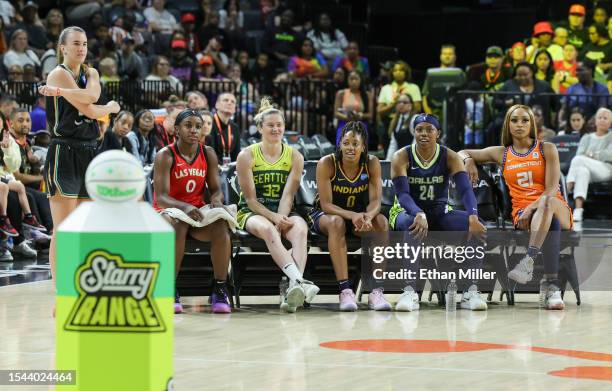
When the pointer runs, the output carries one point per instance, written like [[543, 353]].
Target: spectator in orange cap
[[577, 34], [517, 53], [541, 38]]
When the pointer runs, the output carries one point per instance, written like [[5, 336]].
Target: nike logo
[[77, 123]]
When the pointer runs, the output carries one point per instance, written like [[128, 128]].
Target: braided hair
[[358, 129]]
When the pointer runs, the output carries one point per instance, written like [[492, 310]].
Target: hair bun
[[265, 104]]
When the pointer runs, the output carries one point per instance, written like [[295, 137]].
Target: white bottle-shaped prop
[[115, 284]]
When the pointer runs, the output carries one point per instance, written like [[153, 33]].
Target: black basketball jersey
[[349, 193], [428, 183], [65, 121]]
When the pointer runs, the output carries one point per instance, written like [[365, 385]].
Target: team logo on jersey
[[115, 295], [536, 155], [364, 176]]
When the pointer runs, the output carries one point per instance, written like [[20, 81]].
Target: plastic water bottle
[[543, 288], [283, 285], [451, 294]]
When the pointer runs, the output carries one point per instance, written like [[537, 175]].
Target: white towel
[[227, 213]]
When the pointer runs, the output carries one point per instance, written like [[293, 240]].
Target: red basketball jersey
[[187, 179]]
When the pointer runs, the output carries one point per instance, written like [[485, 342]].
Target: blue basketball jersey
[[428, 183]]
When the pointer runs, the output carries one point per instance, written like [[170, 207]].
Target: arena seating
[[567, 267], [254, 273]]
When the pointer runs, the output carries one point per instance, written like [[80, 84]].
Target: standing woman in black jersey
[[72, 90]]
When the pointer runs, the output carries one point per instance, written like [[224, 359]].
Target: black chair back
[[567, 145]]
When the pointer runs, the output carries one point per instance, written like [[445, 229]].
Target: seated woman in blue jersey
[[181, 176], [531, 171], [348, 200], [420, 173], [269, 175]]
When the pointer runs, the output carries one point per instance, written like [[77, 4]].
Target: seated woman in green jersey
[[348, 200], [269, 175]]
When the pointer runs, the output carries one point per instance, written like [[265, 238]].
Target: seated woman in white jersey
[[531, 171], [183, 170], [269, 175], [348, 201], [420, 173]]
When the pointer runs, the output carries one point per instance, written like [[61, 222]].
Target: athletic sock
[[344, 284], [219, 286], [292, 272], [553, 280], [533, 252]]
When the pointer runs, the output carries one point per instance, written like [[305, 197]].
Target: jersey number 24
[[427, 192]]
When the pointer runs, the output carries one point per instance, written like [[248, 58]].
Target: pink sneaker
[[377, 301], [347, 300], [178, 307]]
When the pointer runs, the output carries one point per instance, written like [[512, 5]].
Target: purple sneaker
[[347, 300], [220, 303], [377, 301], [178, 307]]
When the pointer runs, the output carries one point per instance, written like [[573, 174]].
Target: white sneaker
[[293, 298], [310, 290], [40, 237], [553, 298], [24, 249], [5, 255], [578, 214], [523, 271], [408, 300], [472, 300]]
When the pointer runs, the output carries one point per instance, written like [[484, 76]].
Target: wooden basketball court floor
[[258, 347]]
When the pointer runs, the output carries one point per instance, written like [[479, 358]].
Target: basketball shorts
[[245, 213], [315, 215], [67, 161]]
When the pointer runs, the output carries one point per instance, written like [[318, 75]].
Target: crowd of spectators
[[152, 42]]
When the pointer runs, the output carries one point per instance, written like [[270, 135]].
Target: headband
[[186, 113], [430, 119]]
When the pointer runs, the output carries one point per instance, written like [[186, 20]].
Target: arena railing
[[489, 117], [308, 104]]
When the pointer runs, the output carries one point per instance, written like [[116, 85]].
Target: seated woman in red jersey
[[181, 175], [531, 172], [348, 200]]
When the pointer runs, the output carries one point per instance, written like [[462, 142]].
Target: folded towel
[[227, 213]]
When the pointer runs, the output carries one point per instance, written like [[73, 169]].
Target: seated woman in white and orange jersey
[[183, 170], [531, 172], [348, 200], [269, 175]]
